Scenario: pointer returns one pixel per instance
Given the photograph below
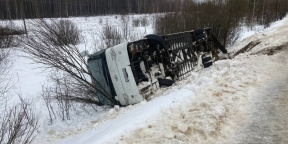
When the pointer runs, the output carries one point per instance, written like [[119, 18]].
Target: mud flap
[[165, 82]]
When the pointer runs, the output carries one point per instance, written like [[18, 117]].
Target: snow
[[271, 37], [136, 118], [246, 34], [29, 80], [212, 105]]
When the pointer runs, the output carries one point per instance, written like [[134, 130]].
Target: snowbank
[[269, 38], [133, 119]]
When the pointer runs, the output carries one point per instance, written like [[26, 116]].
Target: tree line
[[17, 9], [225, 17]]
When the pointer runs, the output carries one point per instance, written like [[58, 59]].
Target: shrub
[[100, 20], [144, 21], [65, 61], [18, 124], [66, 33], [5, 79], [136, 22], [8, 34], [111, 36]]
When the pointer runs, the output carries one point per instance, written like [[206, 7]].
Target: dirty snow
[[220, 104], [267, 120]]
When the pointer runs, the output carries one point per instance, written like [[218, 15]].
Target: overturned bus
[[128, 72]]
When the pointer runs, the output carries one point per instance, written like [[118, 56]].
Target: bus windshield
[[99, 69]]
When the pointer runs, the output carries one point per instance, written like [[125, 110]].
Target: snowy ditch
[[195, 110]]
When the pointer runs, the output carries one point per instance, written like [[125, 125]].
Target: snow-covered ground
[[214, 105]]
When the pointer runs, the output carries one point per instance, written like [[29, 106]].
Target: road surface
[[268, 118]]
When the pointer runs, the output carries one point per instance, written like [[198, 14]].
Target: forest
[[17, 9], [225, 17]]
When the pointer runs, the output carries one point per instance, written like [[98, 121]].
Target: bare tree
[[45, 48], [125, 27], [18, 123], [23, 15], [139, 6], [263, 9], [5, 64], [129, 6], [48, 99], [61, 92], [254, 10], [5, 82]]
